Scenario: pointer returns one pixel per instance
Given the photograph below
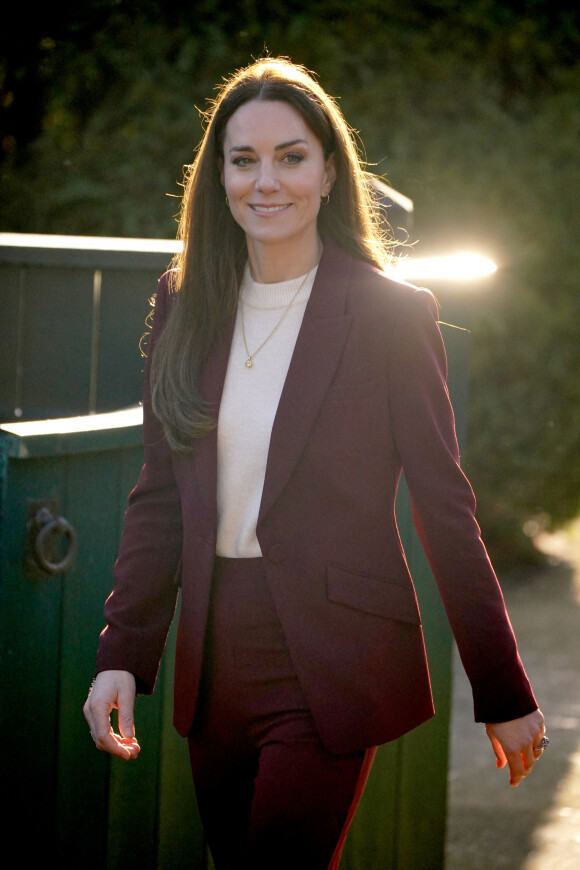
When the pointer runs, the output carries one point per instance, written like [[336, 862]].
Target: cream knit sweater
[[249, 404]]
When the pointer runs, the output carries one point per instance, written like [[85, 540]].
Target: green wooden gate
[[84, 809], [67, 801]]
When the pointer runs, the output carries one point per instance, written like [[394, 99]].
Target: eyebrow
[[276, 147]]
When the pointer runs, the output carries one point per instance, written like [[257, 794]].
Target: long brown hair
[[209, 268]]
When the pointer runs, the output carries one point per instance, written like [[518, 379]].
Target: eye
[[243, 160], [292, 158]]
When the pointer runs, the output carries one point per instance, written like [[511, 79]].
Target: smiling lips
[[269, 209]]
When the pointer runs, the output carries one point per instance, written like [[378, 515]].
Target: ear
[[329, 175]]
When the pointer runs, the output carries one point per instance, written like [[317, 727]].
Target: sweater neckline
[[277, 295]]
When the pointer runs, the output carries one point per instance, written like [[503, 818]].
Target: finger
[[518, 768], [126, 702], [97, 714], [538, 743], [500, 759], [500, 756], [106, 740], [529, 757], [116, 745], [96, 728]]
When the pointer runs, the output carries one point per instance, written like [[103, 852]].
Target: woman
[[299, 646]]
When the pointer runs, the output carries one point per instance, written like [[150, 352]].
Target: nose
[[267, 182]]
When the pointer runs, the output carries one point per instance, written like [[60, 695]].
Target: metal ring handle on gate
[[49, 526]]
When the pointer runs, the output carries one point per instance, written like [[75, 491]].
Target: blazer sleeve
[[444, 514], [140, 609]]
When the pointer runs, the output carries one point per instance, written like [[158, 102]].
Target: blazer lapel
[[316, 355], [205, 449]]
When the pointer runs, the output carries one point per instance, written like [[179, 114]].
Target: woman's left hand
[[515, 743]]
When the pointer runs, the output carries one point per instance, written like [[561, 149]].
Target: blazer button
[[277, 553]]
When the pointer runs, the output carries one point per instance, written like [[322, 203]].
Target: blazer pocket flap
[[379, 597]]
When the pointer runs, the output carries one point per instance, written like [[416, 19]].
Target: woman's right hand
[[113, 690]]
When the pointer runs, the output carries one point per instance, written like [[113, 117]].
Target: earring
[[325, 199], [227, 202]]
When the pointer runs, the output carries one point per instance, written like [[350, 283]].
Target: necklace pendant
[[249, 363]]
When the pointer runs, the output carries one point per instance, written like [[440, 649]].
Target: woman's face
[[274, 175]]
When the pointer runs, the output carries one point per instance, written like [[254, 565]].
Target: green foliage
[[469, 107]]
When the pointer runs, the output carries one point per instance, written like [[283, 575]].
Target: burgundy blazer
[[365, 397]]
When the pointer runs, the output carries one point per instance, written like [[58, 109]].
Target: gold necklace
[[250, 358]]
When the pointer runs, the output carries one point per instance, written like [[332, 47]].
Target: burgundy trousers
[[269, 794]]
